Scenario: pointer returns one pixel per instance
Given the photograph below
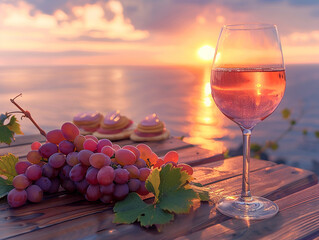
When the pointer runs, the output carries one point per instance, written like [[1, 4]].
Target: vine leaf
[[173, 194], [7, 173], [8, 130]]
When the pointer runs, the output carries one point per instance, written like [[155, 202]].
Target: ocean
[[180, 95]]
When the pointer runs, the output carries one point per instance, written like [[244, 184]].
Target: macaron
[[87, 122], [151, 128], [114, 126]]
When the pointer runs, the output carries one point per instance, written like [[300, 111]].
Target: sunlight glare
[[206, 52]]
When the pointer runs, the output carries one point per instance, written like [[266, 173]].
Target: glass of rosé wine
[[247, 84]]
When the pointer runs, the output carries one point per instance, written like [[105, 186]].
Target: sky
[[144, 32]]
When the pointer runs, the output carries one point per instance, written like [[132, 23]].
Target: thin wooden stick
[[28, 115]]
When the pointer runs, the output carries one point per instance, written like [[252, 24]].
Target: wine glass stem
[[245, 194]]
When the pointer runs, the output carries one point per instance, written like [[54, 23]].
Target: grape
[[92, 137], [106, 198], [102, 143], [78, 172], [108, 189], [55, 185], [105, 175], [72, 159], [35, 145], [116, 147], [125, 157], [66, 147], [82, 186], [107, 150], [90, 144], [186, 168], [66, 171], [120, 191], [68, 185], [33, 172], [133, 170], [34, 193], [171, 156], [121, 176], [145, 151], [134, 184], [78, 142], [144, 172], [142, 190], [91, 175], [22, 166], [134, 150], [44, 183], [93, 193], [55, 136], [170, 162], [47, 149], [159, 163], [34, 156], [70, 131], [48, 171], [21, 182], [98, 160], [84, 157], [17, 198], [140, 163], [57, 160]]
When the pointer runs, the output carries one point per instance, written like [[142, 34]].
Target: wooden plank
[[265, 182], [228, 168], [195, 156], [298, 218], [24, 139]]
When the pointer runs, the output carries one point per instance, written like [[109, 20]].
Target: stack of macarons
[[151, 128], [114, 126], [88, 122]]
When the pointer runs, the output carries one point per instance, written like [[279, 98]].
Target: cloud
[[88, 20]]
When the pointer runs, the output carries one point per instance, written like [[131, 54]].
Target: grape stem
[[27, 114]]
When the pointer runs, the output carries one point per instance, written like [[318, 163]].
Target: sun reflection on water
[[209, 122]]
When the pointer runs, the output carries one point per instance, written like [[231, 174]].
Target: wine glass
[[247, 84]]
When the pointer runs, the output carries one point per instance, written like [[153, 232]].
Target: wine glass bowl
[[247, 84]]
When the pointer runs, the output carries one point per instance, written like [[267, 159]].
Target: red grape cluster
[[98, 169]]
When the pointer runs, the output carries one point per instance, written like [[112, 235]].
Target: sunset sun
[[206, 52]]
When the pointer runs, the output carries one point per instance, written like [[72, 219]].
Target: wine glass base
[[254, 209]]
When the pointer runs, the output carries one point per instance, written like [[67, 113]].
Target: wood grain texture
[[205, 215], [69, 216], [298, 218]]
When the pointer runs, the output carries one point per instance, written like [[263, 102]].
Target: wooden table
[[69, 216]]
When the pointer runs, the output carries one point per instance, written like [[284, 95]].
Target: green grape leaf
[[5, 187], [14, 125], [286, 113], [6, 135], [133, 208], [7, 131], [7, 173], [7, 167], [173, 194], [202, 192]]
